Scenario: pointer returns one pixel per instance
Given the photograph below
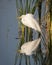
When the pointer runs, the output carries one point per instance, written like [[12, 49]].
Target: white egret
[[29, 47], [29, 21]]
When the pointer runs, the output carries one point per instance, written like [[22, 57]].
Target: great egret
[[29, 21], [30, 47]]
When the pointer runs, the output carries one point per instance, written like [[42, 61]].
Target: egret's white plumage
[[29, 47], [29, 21]]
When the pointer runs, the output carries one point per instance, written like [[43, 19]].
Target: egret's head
[[21, 17]]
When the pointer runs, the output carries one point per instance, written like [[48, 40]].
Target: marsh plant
[[27, 34]]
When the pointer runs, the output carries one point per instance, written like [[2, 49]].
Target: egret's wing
[[30, 46], [31, 22], [37, 25], [36, 44]]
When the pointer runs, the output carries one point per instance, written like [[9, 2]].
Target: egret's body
[[29, 47], [29, 21]]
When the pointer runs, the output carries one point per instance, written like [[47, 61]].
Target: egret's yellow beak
[[19, 51], [19, 17]]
